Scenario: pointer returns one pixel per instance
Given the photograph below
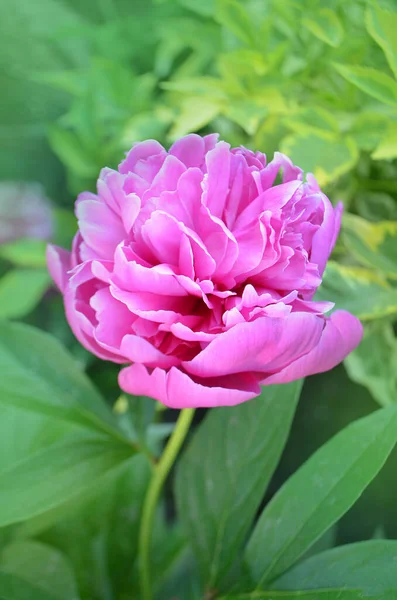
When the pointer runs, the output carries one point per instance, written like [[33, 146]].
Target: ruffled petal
[[342, 334], [175, 389]]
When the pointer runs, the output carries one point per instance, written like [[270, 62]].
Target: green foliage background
[[81, 81]]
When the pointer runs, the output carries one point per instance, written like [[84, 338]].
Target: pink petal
[[341, 335], [140, 151], [175, 389], [190, 150], [139, 350], [216, 182], [263, 345], [58, 263]]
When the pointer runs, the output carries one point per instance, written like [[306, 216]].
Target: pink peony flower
[[199, 270]]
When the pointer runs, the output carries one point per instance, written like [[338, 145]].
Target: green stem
[[159, 476]]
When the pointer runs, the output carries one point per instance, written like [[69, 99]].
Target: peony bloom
[[198, 270]]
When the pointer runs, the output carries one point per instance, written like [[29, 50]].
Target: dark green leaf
[[40, 565], [56, 475], [38, 375], [319, 493], [13, 587], [368, 566], [225, 471]]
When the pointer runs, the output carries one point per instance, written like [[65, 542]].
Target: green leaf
[[372, 82], [28, 107], [325, 25], [15, 588], [39, 376], [319, 493], [336, 594], [381, 25], [195, 113], [232, 15], [20, 292], [223, 475], [387, 147], [358, 290], [373, 363], [368, 129], [367, 566], [40, 565], [71, 152], [55, 475], [25, 252], [313, 119], [372, 244], [327, 156]]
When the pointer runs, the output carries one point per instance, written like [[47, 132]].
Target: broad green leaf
[[232, 15], [358, 290], [372, 244], [55, 475], [381, 25], [367, 566], [205, 8], [373, 363], [25, 252], [325, 25], [387, 147], [372, 82], [335, 594], [319, 493], [40, 565], [223, 475], [327, 156], [376, 206], [13, 587], [39, 376], [21, 290]]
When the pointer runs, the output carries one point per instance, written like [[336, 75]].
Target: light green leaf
[[224, 473], [41, 566], [382, 25], [21, 290], [358, 290], [25, 252], [319, 493], [313, 119], [195, 113], [387, 147], [71, 152], [39, 376], [325, 25], [373, 363], [56, 475], [232, 15], [372, 244], [368, 129], [367, 566], [327, 156], [372, 82]]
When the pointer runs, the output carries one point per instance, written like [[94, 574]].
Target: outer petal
[[264, 345], [58, 262], [177, 390], [324, 239], [341, 335]]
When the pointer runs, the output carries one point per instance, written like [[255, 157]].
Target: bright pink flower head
[[198, 270]]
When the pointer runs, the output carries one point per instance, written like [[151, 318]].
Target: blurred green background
[[82, 80]]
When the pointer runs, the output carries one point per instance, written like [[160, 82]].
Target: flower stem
[[159, 476]]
